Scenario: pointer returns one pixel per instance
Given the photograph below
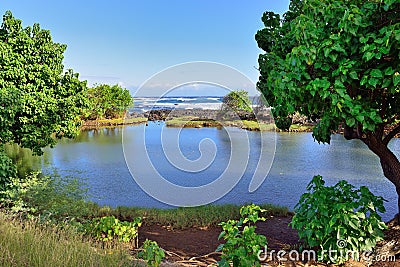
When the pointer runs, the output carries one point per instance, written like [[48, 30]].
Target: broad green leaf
[[396, 79], [373, 81], [353, 75], [350, 121], [376, 73]]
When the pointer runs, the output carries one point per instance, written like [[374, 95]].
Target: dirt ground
[[196, 247]]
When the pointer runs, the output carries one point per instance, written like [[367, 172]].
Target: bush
[[108, 101], [339, 218], [151, 253], [50, 197], [109, 228], [242, 243], [7, 170]]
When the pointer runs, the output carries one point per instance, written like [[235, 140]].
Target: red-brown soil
[[195, 247]]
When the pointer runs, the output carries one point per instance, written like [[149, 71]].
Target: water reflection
[[23, 159], [97, 156]]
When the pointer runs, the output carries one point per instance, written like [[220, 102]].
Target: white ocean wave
[[143, 104]]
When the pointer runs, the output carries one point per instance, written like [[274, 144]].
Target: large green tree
[[237, 100], [108, 101], [337, 62], [38, 101]]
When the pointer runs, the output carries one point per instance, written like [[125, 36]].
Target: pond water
[[97, 158]]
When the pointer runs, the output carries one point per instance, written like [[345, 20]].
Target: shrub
[[50, 197], [7, 170], [151, 253], [242, 243], [338, 218], [108, 101], [109, 228]]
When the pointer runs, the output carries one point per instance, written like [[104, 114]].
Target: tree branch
[[391, 134]]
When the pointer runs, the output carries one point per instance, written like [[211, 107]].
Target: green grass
[[192, 122], [256, 126], [105, 123], [28, 244], [186, 217], [300, 128], [121, 121]]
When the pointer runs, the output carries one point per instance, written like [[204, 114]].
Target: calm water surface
[[97, 158]]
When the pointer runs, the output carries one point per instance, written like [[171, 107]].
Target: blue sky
[[127, 42]]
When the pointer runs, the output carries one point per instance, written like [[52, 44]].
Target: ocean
[[143, 104]]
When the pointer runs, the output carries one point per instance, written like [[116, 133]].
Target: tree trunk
[[389, 162], [391, 170]]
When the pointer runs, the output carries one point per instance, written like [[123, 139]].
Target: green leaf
[[222, 234], [350, 122], [353, 225], [368, 56], [376, 73], [396, 79], [373, 82], [389, 71], [220, 247], [353, 75]]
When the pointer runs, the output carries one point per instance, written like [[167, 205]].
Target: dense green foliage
[[237, 100], [151, 253], [337, 62], [53, 198], [37, 100], [108, 101], [339, 218], [7, 170], [109, 228], [242, 242]]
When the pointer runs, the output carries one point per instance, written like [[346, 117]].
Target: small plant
[[242, 243], [151, 253], [339, 219], [109, 228], [7, 170]]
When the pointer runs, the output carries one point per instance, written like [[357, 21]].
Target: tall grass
[[203, 216], [27, 244]]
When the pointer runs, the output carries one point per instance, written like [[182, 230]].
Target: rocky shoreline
[[198, 118], [202, 114]]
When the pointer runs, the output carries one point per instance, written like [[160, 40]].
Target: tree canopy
[[337, 62], [38, 101], [108, 101], [237, 100]]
